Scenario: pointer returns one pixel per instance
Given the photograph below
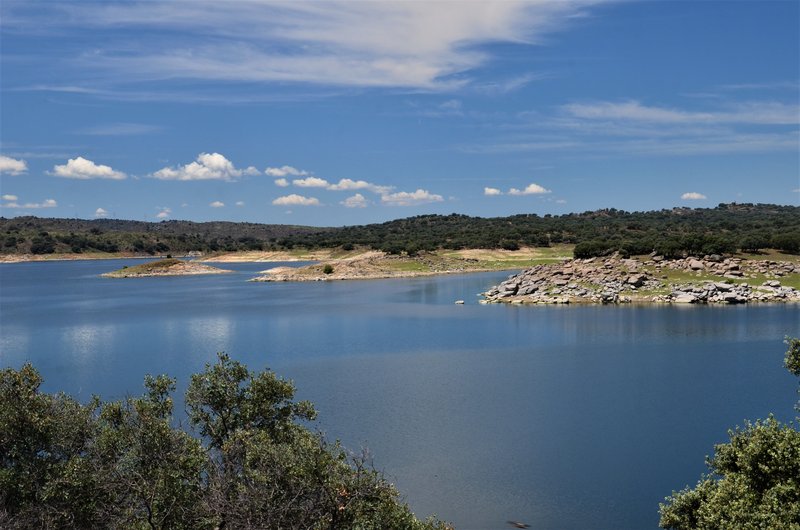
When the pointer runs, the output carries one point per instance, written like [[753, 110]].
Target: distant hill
[[726, 228]]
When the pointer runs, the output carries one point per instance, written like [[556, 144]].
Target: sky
[[335, 113]]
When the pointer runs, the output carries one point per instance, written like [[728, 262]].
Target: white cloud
[[758, 112], [311, 182], [530, 189], [164, 213], [47, 203], [424, 45], [12, 166], [120, 129], [404, 198], [285, 171], [217, 204], [101, 212], [356, 201], [83, 169], [492, 191], [350, 185], [239, 203], [561, 201], [282, 183], [296, 200], [693, 196], [212, 166], [10, 198]]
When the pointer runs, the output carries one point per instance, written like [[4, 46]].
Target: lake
[[563, 417]]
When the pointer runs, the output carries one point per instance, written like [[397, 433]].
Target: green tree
[[754, 481]]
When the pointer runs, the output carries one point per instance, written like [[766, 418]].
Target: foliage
[[672, 233], [327, 269], [754, 480], [123, 464]]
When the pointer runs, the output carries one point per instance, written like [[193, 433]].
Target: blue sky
[[338, 113]]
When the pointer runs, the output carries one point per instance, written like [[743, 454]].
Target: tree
[[754, 481], [123, 464]]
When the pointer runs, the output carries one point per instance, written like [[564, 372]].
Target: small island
[[164, 267]]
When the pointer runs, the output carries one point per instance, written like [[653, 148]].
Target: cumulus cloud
[[693, 196], [285, 171], [356, 201], [164, 213], [217, 204], [12, 166], [530, 189], [350, 185], [282, 183], [47, 203], [83, 169], [311, 182], [492, 191], [212, 166], [404, 198], [296, 200], [101, 212], [10, 197]]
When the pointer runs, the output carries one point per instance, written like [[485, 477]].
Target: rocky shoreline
[[614, 280], [167, 267]]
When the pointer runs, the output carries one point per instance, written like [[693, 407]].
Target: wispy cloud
[[120, 129], [82, 169], [163, 213], [12, 166], [217, 204], [212, 166], [758, 112], [418, 45], [10, 197], [47, 203]]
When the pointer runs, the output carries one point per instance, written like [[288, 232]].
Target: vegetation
[[123, 464], [754, 481], [672, 233]]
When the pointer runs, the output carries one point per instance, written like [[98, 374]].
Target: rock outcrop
[[615, 280]]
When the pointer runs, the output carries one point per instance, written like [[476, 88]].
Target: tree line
[[675, 232]]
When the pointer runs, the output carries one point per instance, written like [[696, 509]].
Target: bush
[[328, 268]]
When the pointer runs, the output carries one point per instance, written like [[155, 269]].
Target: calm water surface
[[562, 417]]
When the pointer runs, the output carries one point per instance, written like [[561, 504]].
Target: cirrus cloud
[[82, 169], [296, 200], [12, 166]]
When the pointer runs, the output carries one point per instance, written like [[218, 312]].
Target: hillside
[[672, 233]]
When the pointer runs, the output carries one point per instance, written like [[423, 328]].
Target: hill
[[672, 233]]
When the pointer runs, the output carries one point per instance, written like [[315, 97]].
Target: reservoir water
[[562, 417]]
